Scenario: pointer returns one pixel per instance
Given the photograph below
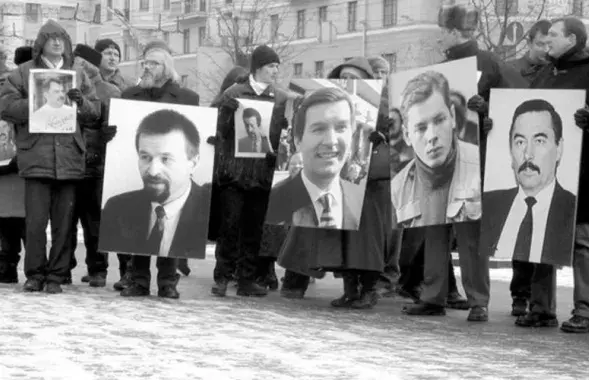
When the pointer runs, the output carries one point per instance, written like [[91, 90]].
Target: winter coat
[[571, 72], [170, 92], [40, 155]]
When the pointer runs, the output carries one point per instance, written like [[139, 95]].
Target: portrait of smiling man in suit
[[535, 219], [317, 196], [168, 217]]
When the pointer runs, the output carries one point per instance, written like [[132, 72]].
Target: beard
[[157, 188], [149, 80]]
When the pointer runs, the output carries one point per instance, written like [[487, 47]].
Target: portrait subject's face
[[252, 127], [110, 59], [535, 153], [164, 165], [326, 140], [538, 47], [430, 130], [558, 44], [55, 95], [55, 46]]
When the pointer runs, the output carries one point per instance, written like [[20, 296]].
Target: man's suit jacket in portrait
[[246, 145], [559, 229], [291, 204], [125, 224]]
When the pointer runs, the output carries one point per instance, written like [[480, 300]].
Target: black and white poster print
[[7, 143], [441, 184], [252, 128], [157, 180], [50, 110], [532, 175], [323, 182]]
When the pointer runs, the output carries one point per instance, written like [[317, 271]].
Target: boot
[[368, 297], [351, 291]]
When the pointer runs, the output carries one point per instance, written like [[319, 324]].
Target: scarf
[[435, 178]]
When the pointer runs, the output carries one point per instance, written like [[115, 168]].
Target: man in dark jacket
[[535, 58], [244, 183], [568, 69], [51, 164], [457, 26], [89, 191], [159, 83]]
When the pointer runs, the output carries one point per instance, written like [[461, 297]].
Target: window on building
[[97, 14], [143, 5], [127, 9], [186, 41], [323, 13], [274, 24], [319, 69], [506, 7], [578, 8], [184, 80], [166, 37], [203, 5], [202, 35], [352, 15], [298, 70], [32, 11], [389, 13], [126, 52], [188, 6], [29, 42], [392, 60], [301, 24], [108, 12], [67, 13], [166, 5]]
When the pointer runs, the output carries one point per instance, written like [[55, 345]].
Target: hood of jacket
[[359, 63], [49, 29]]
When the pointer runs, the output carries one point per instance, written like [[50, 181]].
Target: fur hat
[[359, 63], [89, 54], [102, 45], [156, 44], [263, 55], [459, 17], [23, 54]]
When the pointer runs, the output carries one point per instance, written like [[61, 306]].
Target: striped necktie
[[157, 232], [327, 220]]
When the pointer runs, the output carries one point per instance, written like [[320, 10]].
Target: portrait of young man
[[54, 114], [317, 196], [535, 219], [256, 140], [169, 216], [441, 185]]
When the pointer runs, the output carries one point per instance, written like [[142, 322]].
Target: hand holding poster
[[50, 109], [442, 183], [158, 173], [252, 128], [532, 175]]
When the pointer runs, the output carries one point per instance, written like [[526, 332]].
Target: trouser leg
[[473, 266]]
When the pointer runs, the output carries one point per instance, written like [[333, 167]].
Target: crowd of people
[[59, 178]]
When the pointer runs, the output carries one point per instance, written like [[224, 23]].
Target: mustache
[[154, 179], [528, 165]]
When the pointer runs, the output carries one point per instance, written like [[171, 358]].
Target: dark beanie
[[459, 17], [263, 55], [89, 54], [102, 45], [23, 54]]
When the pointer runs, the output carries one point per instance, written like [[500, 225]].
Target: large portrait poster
[[532, 175], [252, 128], [157, 180], [50, 110], [439, 183], [324, 155]]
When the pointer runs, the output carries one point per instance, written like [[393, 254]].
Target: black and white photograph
[[252, 128], [50, 110], [320, 183], [7, 144], [532, 175], [157, 182], [441, 184]]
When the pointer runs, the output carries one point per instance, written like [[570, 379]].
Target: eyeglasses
[[151, 64]]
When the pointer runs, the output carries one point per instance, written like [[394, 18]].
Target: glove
[[582, 118], [271, 159], [11, 168], [284, 124], [212, 140], [478, 105], [230, 104], [109, 132], [377, 138], [487, 125], [75, 96]]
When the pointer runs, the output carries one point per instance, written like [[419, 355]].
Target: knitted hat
[[89, 54], [459, 17], [379, 63], [23, 54], [263, 55], [156, 44], [102, 45]]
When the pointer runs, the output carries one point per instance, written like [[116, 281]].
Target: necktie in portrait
[[157, 232], [327, 220]]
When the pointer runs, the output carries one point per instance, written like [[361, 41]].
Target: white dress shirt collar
[[543, 198]]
